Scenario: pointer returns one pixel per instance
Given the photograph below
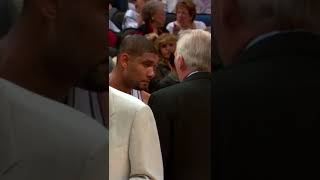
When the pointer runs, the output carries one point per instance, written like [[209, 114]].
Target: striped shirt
[[90, 103], [137, 94]]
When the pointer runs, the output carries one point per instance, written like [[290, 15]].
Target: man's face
[[140, 70], [80, 40]]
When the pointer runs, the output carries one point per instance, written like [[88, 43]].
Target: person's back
[[264, 100], [268, 102], [183, 112], [178, 113], [38, 144], [134, 143]]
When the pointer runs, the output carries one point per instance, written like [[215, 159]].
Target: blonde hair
[[165, 38]]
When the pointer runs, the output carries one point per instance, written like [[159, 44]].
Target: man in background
[[183, 111]]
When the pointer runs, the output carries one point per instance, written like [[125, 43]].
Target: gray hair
[[195, 47], [150, 9], [282, 12]]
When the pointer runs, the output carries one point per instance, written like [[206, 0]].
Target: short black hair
[[137, 45]]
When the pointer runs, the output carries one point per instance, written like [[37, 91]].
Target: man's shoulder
[[183, 87], [37, 124], [168, 94], [120, 99], [41, 110]]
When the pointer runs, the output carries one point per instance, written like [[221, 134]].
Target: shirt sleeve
[[170, 27]]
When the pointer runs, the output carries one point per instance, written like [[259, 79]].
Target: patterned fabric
[[137, 94], [90, 103]]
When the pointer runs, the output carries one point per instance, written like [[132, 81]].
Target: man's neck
[[116, 82], [25, 70], [36, 82]]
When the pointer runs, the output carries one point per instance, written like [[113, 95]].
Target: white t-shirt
[[202, 6], [130, 19], [199, 25]]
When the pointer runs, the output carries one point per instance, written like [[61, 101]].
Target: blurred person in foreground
[[42, 58], [183, 111], [264, 104]]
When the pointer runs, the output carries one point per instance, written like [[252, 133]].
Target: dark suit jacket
[[183, 117], [266, 110]]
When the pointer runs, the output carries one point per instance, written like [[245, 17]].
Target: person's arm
[[144, 147], [130, 20], [170, 27], [164, 122]]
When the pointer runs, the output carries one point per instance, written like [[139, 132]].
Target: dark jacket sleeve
[[164, 125]]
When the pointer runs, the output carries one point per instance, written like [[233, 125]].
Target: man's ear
[[48, 8], [123, 60], [180, 63], [183, 65]]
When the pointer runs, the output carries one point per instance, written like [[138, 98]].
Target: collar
[[194, 72], [268, 35]]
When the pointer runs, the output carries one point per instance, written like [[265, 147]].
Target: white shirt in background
[[199, 25]]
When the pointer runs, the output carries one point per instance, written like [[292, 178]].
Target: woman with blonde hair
[[166, 46]]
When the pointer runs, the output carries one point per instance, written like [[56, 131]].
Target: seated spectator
[[154, 17], [186, 13], [130, 19], [171, 78], [166, 45]]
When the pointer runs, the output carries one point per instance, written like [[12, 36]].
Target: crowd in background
[[164, 59], [150, 19]]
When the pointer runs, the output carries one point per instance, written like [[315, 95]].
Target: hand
[[152, 36], [176, 28]]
